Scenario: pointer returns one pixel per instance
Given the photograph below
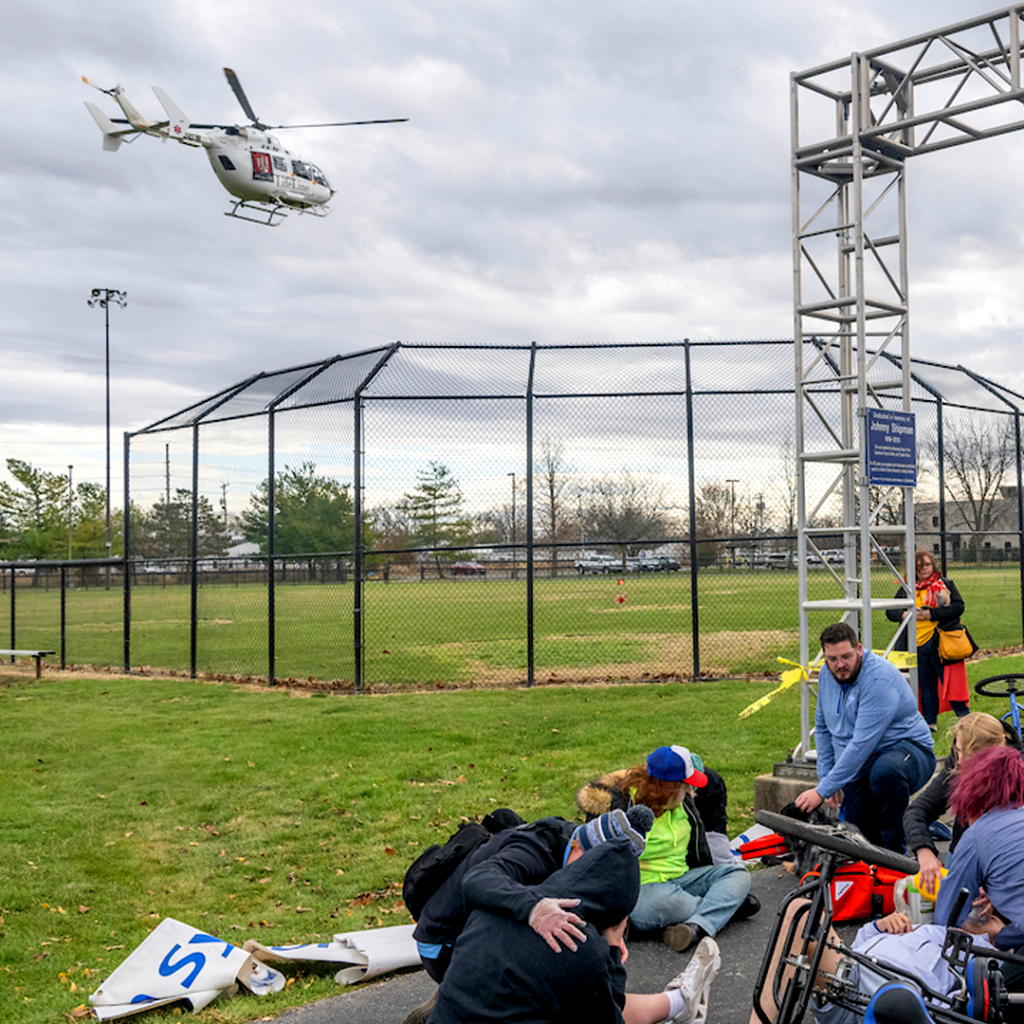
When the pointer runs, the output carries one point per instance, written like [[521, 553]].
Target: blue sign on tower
[[891, 448]]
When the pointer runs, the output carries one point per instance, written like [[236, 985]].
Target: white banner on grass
[[176, 961], [368, 953]]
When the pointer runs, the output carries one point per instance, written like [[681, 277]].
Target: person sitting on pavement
[[988, 794], [873, 745], [502, 875], [606, 794], [974, 732], [682, 892], [711, 801], [502, 970]]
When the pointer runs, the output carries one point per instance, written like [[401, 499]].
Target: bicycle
[[989, 687], [792, 970]]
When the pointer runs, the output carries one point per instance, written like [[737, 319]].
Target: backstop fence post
[[127, 539], [1020, 516], [271, 612], [194, 557], [692, 484], [530, 653]]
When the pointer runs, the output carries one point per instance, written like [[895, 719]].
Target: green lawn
[[253, 813], [474, 630]]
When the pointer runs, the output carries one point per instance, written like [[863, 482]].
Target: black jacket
[[934, 802], [499, 876], [503, 972], [947, 617]]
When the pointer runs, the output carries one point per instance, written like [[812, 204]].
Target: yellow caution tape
[[901, 659], [789, 678]]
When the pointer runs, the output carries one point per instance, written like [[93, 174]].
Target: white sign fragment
[[176, 961], [367, 953]]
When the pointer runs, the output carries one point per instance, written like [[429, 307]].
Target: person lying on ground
[[682, 892], [501, 970], [893, 940]]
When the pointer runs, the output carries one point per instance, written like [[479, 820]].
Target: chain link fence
[[525, 514]]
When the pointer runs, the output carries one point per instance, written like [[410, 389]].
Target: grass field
[[250, 812], [473, 631]]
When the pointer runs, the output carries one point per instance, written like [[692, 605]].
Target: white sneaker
[[695, 980]]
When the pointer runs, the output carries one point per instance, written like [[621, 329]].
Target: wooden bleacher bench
[[38, 655]]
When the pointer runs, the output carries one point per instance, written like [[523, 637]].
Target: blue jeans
[[876, 801], [705, 896]]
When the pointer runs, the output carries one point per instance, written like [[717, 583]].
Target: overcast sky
[[572, 171]]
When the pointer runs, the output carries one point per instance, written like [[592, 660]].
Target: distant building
[[998, 543]]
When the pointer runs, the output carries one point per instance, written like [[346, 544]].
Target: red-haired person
[[988, 794]]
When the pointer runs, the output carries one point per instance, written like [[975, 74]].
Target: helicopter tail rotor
[[236, 88]]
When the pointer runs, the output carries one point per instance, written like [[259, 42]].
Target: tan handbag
[[955, 644]]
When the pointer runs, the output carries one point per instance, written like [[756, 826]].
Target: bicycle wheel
[[989, 687], [839, 840]]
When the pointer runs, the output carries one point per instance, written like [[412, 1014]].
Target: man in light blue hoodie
[[873, 744]]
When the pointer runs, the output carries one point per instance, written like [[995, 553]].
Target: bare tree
[[977, 458], [629, 510], [551, 482]]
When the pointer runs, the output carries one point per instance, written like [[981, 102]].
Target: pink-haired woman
[[988, 794]]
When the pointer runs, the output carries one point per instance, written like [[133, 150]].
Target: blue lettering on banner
[[201, 937], [891, 448], [167, 967]]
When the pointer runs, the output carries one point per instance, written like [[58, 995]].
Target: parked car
[[659, 564], [772, 560], [468, 569], [601, 564]]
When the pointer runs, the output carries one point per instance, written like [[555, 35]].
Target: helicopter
[[265, 179]]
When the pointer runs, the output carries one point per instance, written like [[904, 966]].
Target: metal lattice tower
[[855, 123]]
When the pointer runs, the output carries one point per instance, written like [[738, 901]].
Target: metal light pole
[[103, 297], [515, 574]]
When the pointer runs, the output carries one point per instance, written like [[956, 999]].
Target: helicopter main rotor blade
[[336, 124], [236, 88]]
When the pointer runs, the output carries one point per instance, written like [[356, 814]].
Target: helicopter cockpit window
[[226, 163], [301, 170], [318, 176]]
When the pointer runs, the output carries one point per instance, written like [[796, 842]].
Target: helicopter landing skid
[[258, 213], [269, 214]]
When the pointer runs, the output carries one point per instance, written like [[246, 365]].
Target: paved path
[[651, 966]]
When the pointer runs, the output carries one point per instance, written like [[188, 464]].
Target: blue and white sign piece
[[175, 962], [891, 448], [369, 953]]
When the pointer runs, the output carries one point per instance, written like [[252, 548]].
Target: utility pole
[[103, 297]]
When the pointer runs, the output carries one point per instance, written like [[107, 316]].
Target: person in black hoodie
[[973, 732], [501, 875], [502, 971]]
